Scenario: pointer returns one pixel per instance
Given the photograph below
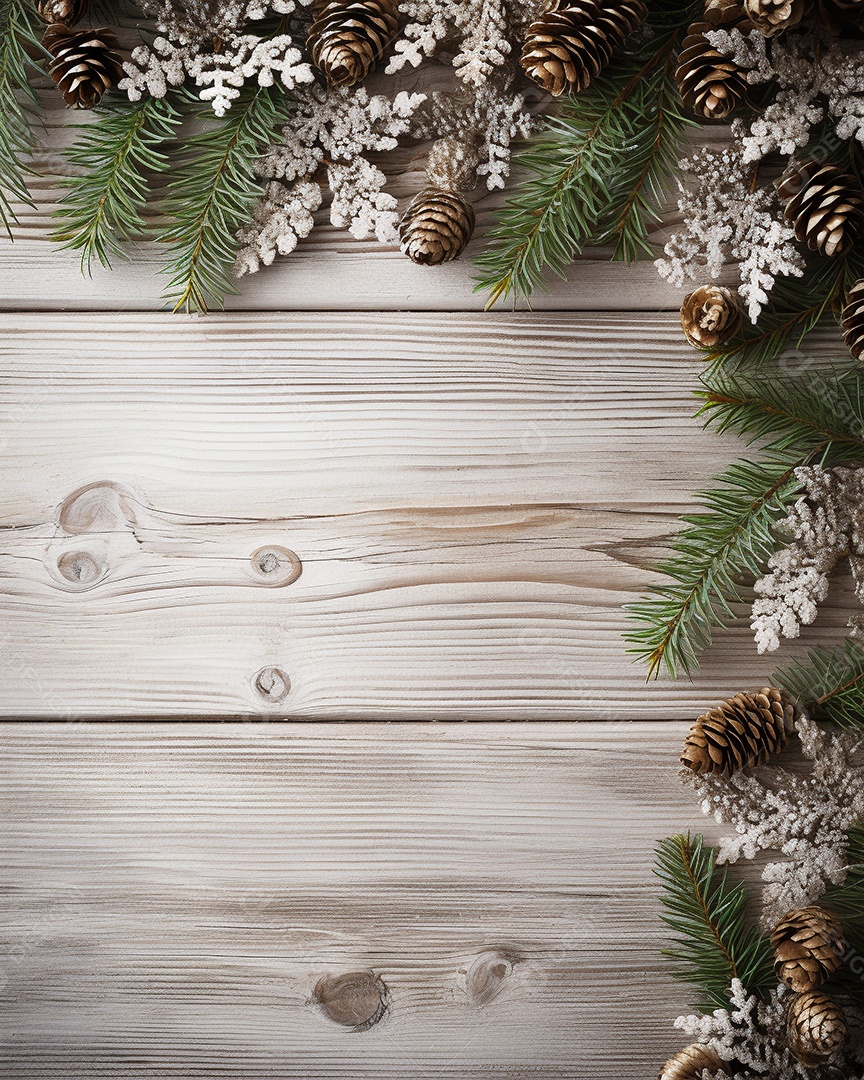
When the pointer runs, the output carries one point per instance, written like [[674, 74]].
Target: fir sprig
[[714, 941], [830, 685], [19, 104], [120, 154], [598, 171], [212, 194]]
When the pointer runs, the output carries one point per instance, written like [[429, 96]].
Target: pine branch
[[714, 942], [120, 153], [729, 541], [598, 171], [830, 684], [18, 104], [212, 196]]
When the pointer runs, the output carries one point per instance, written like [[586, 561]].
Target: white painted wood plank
[[178, 891], [472, 499]]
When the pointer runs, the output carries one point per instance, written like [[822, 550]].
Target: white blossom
[[804, 817], [282, 217]]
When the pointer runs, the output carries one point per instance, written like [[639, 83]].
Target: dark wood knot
[[275, 566], [81, 568], [486, 976], [356, 1000], [272, 684]]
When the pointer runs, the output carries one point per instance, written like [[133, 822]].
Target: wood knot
[[356, 1000], [272, 684], [275, 566], [81, 568], [100, 507], [486, 976]]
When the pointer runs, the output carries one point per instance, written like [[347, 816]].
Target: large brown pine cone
[[436, 226], [710, 316], [711, 84], [739, 733], [771, 17], [67, 12], [808, 948], [573, 41], [348, 37], [85, 63], [689, 1063], [825, 206], [853, 320], [817, 1027]]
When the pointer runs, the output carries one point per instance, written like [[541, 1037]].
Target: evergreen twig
[[19, 103], [830, 684], [714, 942], [211, 196], [120, 152]]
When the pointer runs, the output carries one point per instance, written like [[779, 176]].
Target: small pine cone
[[739, 733], [808, 948], [348, 37], [853, 320], [817, 1027], [825, 205], [573, 41], [690, 1063], [771, 17], [710, 316], [436, 226], [86, 63], [711, 84], [67, 12]]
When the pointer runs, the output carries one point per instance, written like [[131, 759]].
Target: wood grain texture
[[178, 892], [471, 499]]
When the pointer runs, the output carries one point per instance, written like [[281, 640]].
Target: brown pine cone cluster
[[825, 206], [853, 320], [690, 1063], [808, 948], [712, 85], [436, 226], [710, 316], [573, 41], [348, 37], [85, 63], [740, 733]]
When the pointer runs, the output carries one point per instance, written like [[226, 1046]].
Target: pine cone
[[711, 84], [853, 320], [808, 948], [771, 17], [436, 226], [348, 37], [710, 316], [825, 205], [817, 1027], [689, 1063], [86, 63], [67, 12], [739, 733], [573, 41]]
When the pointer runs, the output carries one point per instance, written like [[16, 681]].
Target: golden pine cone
[[348, 37], [817, 1027], [711, 84], [853, 320], [436, 226], [67, 12], [690, 1063], [85, 63], [573, 41], [825, 205], [808, 948], [739, 733], [771, 17], [710, 316]]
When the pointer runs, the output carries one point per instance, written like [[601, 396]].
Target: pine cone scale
[[853, 320]]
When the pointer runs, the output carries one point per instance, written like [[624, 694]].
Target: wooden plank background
[[329, 504]]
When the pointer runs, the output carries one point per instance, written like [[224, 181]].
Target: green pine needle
[[830, 685], [598, 171], [212, 195], [120, 153], [18, 104], [714, 942]]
